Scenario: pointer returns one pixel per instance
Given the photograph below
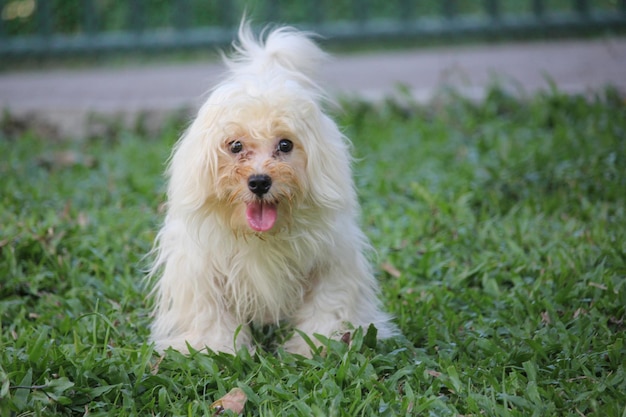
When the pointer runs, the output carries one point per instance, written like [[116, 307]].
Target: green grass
[[500, 229]]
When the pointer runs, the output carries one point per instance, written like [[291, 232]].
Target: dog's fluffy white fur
[[286, 248]]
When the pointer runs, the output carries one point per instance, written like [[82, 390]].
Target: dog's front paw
[[202, 343], [297, 345]]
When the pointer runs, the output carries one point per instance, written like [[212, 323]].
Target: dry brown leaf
[[390, 269], [433, 373], [235, 400], [580, 312], [66, 159], [154, 369], [599, 286]]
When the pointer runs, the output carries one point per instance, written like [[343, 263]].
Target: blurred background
[[38, 28], [64, 60]]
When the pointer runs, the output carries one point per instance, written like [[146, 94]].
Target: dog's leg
[[222, 335], [344, 297], [189, 307]]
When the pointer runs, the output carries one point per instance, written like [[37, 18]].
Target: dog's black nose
[[260, 184]]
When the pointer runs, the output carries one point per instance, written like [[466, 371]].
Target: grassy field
[[500, 231]]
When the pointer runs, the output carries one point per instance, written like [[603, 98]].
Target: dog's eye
[[285, 145], [236, 146]]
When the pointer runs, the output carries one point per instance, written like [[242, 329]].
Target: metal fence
[[61, 27]]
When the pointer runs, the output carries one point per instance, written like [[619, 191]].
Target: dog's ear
[[193, 165], [328, 163]]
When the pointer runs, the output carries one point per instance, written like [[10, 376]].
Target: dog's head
[[262, 160], [261, 153]]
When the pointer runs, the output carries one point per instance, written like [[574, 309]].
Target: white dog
[[261, 222]]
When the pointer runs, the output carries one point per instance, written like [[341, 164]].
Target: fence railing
[[60, 27]]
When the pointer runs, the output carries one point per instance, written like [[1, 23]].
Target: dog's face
[[261, 169], [264, 161]]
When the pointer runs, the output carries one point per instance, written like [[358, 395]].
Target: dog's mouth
[[261, 215]]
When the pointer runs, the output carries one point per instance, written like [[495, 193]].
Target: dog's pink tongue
[[261, 216]]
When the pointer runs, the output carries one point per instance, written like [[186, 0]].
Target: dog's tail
[[285, 46]]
